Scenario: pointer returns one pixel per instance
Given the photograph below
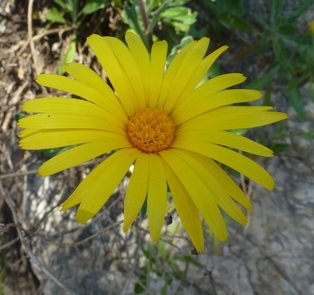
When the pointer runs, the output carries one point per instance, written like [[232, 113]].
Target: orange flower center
[[151, 130]]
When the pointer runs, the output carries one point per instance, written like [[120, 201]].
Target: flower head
[[161, 121]]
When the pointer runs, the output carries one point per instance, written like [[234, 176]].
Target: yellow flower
[[172, 130]]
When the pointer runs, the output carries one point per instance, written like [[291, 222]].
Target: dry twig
[[33, 257]]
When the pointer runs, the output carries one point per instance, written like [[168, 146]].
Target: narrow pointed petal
[[157, 196], [126, 59], [225, 181], [82, 90], [171, 74], [115, 71], [210, 87], [68, 121], [221, 198], [70, 106], [48, 139], [188, 66], [137, 190], [28, 132], [197, 76], [81, 154], [157, 69], [225, 138], [230, 158], [94, 191], [206, 103], [198, 192], [91, 78], [141, 57], [186, 209], [230, 118]]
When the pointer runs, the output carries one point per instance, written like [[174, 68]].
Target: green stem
[[143, 11]]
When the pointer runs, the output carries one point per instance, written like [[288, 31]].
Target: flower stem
[[146, 22]]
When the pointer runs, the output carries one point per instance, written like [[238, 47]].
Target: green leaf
[[138, 289], [263, 45], [308, 135], [295, 83], [262, 21], [235, 22], [52, 152], [214, 71], [259, 84], [177, 273], [144, 209], [281, 52], [181, 14], [311, 91], [287, 29], [73, 5], [177, 2], [234, 7], [61, 3], [54, 15], [239, 131], [298, 10], [275, 13], [156, 14], [131, 18], [180, 18], [189, 259], [279, 147], [163, 290], [68, 57], [197, 34], [73, 10], [175, 50], [94, 5], [295, 98], [20, 116]]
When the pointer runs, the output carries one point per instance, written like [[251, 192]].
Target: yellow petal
[[184, 72], [137, 190], [68, 121], [210, 87], [206, 103], [141, 57], [157, 69], [198, 75], [230, 158], [234, 117], [225, 138], [28, 132], [222, 199], [198, 192], [186, 209], [157, 196], [115, 71], [225, 181], [71, 106], [130, 67], [91, 78], [82, 90], [94, 191], [80, 154], [171, 74], [47, 139]]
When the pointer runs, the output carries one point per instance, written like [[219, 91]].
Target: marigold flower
[[172, 130]]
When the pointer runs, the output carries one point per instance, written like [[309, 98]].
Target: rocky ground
[[44, 251]]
